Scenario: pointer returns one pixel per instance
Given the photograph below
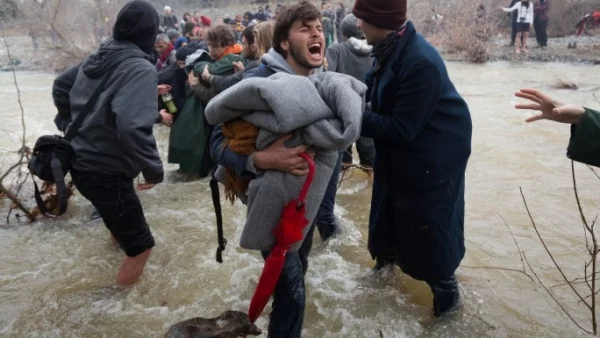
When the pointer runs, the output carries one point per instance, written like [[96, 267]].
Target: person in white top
[[524, 21]]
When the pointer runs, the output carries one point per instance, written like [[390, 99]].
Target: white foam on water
[[352, 187]]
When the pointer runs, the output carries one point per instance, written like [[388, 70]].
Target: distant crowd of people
[[524, 14]]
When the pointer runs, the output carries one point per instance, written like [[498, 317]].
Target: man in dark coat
[[422, 132], [540, 22], [513, 22]]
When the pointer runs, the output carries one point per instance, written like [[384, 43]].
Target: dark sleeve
[[204, 93], [135, 106], [417, 95], [254, 72], [61, 95], [584, 145], [225, 157], [220, 83]]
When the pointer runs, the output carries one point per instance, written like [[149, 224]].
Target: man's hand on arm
[[281, 158]]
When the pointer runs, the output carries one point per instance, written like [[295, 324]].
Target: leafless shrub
[[585, 288], [460, 27], [565, 14], [20, 157]]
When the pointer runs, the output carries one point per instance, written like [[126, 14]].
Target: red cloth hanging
[[288, 232]]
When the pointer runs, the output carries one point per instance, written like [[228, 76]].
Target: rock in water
[[231, 324]]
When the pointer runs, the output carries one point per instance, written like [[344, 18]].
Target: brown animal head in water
[[231, 324]]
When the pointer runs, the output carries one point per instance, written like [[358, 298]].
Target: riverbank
[[587, 51], [50, 58]]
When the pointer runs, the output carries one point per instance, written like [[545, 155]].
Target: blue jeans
[[325, 220], [289, 299]]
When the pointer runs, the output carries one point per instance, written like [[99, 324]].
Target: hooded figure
[[115, 142], [353, 57]]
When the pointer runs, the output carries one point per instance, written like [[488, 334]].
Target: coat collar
[[402, 44]]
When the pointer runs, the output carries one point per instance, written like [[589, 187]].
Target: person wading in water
[[298, 48], [115, 142], [422, 131]]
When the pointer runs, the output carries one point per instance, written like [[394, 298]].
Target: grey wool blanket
[[323, 111]]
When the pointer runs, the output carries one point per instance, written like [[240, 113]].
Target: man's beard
[[300, 58]]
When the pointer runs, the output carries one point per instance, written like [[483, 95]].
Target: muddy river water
[[56, 275]]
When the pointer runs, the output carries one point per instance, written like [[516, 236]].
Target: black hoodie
[[116, 136], [137, 23]]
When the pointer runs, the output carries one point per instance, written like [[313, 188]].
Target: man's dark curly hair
[[304, 11]]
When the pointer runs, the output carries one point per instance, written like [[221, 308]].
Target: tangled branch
[[589, 278], [23, 153]]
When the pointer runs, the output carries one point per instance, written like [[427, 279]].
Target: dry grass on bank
[[76, 21]]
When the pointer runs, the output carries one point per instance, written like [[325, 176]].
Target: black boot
[[383, 261], [446, 296], [328, 231]]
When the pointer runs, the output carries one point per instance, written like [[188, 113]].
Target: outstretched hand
[[549, 108]]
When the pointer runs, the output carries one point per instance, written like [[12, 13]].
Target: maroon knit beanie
[[388, 14]]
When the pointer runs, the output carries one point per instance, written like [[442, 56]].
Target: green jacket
[[204, 92], [584, 145], [190, 133]]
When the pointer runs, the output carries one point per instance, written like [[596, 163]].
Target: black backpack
[[52, 157]]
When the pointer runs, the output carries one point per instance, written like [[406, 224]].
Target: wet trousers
[[289, 299]]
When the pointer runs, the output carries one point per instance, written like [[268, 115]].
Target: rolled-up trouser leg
[[115, 199], [289, 300], [446, 295]]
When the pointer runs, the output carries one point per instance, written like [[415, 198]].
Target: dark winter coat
[[62, 98], [221, 82], [515, 14], [584, 145], [177, 79], [116, 136], [351, 57], [541, 11], [170, 22], [422, 132]]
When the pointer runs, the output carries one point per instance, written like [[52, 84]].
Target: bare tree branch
[[548, 251], [23, 151], [498, 268], [554, 298], [594, 171], [516, 244]]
